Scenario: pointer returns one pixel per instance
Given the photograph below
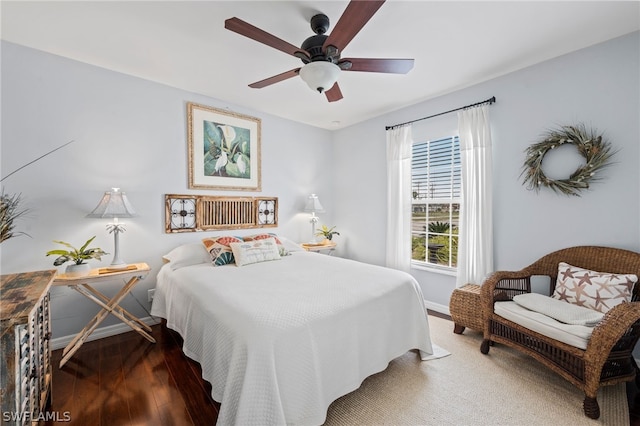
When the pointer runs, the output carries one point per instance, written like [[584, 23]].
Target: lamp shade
[[114, 204], [320, 75], [313, 204]]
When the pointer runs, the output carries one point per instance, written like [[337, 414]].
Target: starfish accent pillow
[[600, 291]]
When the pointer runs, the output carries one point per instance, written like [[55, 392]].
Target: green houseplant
[[77, 256], [10, 210], [327, 232]]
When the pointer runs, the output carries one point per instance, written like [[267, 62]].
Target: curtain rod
[[488, 101]]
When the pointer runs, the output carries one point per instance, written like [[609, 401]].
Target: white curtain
[[399, 144], [475, 243]]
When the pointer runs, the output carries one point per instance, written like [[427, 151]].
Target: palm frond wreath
[[595, 150]]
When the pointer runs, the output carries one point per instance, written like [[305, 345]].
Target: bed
[[280, 340]]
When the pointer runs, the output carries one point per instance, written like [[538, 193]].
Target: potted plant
[[10, 210], [78, 256], [327, 233]]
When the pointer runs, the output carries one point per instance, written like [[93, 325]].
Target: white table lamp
[[114, 205], [313, 205]]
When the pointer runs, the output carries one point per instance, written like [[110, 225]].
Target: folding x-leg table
[[84, 285]]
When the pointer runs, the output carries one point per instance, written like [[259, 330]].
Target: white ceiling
[[185, 45]]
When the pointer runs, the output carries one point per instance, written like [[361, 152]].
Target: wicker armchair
[[608, 358]]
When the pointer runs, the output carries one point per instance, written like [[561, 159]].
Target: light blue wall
[[129, 133], [599, 86]]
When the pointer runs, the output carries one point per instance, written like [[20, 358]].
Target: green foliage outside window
[[418, 248], [420, 252], [439, 227], [443, 253]]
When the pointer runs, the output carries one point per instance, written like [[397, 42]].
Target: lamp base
[[117, 263], [314, 220]]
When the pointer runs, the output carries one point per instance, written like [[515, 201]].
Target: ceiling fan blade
[[333, 94], [354, 17], [244, 28], [275, 79], [394, 66]]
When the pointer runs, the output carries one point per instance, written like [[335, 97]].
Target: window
[[435, 183]]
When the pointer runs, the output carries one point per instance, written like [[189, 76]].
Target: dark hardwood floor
[[125, 380]]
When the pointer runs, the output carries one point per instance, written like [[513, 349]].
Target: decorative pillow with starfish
[[600, 291]]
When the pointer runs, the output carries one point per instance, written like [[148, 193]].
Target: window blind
[[436, 170]]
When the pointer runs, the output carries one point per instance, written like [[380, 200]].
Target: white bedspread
[[280, 340]]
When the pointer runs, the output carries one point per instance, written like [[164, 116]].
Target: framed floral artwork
[[224, 149]]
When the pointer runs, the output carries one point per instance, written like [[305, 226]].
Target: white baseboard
[[443, 309], [100, 333]]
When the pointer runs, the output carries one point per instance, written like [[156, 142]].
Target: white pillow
[[187, 255], [264, 236], [290, 245], [255, 251]]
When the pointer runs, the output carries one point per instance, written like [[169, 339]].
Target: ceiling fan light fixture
[[320, 75]]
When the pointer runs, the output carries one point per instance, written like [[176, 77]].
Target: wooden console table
[[84, 285]]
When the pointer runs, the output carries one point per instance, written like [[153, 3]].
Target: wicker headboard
[[192, 213]]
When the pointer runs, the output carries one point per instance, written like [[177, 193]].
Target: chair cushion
[[559, 310], [600, 291], [574, 335]]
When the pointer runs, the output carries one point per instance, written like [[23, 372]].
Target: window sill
[[434, 269]]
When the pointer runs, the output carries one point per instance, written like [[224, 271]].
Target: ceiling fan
[[321, 53]]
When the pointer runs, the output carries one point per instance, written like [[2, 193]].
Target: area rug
[[468, 388]]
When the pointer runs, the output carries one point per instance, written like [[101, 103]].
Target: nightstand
[[320, 247], [83, 285]]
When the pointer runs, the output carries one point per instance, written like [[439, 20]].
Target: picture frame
[[223, 149], [181, 213], [267, 211]]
